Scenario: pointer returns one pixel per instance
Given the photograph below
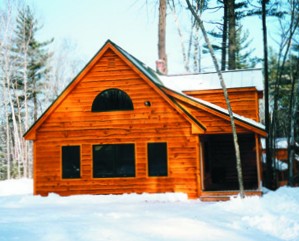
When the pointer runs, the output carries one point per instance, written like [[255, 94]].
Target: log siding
[[73, 123], [159, 116]]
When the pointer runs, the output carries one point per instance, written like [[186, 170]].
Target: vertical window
[[71, 162], [157, 159], [116, 160]]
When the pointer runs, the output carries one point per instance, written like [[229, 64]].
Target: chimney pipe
[[161, 67]]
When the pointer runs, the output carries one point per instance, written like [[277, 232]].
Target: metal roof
[[210, 81]]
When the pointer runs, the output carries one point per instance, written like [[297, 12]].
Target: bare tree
[[235, 137], [162, 35], [288, 30], [172, 6], [64, 65], [7, 64], [191, 45], [17, 65]]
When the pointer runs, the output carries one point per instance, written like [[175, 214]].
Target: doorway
[[219, 162]]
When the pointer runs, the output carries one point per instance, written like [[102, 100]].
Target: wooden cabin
[[281, 161], [119, 127]]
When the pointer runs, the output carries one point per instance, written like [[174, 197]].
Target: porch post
[[258, 161]]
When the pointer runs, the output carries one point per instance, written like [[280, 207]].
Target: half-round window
[[112, 100]]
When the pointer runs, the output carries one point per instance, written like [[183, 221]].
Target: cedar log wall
[[213, 123], [73, 123], [244, 101]]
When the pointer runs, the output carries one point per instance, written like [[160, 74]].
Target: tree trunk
[[197, 51], [284, 52], [291, 139], [232, 45], [176, 21], [162, 34], [8, 151], [235, 137], [34, 96], [224, 37], [269, 170]]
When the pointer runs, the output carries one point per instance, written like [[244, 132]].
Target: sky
[[129, 23], [132, 24]]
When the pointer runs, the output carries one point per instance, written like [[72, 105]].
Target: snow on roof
[[280, 143], [207, 81], [279, 165]]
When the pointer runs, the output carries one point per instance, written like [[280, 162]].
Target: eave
[[218, 111]]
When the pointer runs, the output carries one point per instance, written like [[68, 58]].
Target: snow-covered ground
[[157, 217]]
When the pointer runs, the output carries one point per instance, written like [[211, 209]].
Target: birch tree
[[191, 41], [22, 68], [32, 57], [235, 137], [7, 23]]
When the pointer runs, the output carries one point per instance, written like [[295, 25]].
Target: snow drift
[[144, 217]]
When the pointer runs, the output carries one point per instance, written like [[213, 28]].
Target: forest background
[[44, 45]]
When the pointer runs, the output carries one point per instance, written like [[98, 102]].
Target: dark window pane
[[103, 161], [125, 161], [117, 160], [157, 159], [71, 162], [112, 100]]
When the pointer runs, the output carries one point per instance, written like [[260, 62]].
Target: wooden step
[[216, 196]]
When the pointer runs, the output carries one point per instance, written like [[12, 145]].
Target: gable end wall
[[73, 123]]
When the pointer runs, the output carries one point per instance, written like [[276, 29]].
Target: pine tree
[[283, 80], [234, 42], [32, 57], [30, 62]]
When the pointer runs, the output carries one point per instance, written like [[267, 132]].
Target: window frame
[[100, 99], [114, 162], [62, 166], [166, 161]]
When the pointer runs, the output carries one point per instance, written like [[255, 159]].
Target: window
[[116, 160], [157, 159], [112, 100], [71, 162]]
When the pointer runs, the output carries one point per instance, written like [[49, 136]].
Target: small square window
[[157, 159], [71, 162]]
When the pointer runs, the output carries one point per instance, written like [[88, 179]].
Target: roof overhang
[[244, 122]]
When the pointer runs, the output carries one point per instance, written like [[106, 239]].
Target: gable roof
[[156, 81], [242, 121], [144, 71]]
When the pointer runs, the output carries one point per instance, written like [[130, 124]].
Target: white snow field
[[146, 217]]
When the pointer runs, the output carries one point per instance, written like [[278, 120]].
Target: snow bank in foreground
[[16, 187], [145, 217]]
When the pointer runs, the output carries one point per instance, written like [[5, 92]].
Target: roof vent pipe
[[161, 67]]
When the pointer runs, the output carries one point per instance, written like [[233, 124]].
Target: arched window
[[112, 100]]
